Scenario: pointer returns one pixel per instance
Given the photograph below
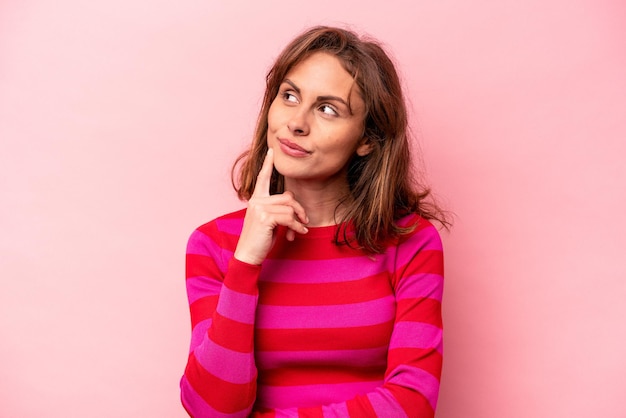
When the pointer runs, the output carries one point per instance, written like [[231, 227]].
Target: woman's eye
[[290, 97], [328, 110]]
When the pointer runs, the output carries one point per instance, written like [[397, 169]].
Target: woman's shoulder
[[229, 223], [417, 228]]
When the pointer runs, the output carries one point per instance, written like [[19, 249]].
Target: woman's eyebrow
[[333, 98], [293, 85], [319, 98]]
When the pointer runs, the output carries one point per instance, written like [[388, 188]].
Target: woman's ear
[[365, 148]]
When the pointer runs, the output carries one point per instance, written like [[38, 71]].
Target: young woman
[[323, 297]]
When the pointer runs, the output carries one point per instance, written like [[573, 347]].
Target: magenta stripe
[[344, 358], [286, 413], [425, 240], [416, 335], [230, 226], [199, 408], [228, 365], [312, 395], [424, 285], [328, 271], [372, 312], [227, 255], [200, 286], [337, 410], [418, 379], [199, 332], [385, 404], [237, 306], [201, 244]]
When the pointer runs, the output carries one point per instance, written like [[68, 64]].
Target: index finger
[[263, 180]]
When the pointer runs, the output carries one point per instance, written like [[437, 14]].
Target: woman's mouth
[[292, 149]]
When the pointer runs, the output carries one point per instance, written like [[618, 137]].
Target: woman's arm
[[220, 377]]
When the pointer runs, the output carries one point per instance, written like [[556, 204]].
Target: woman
[[323, 297]]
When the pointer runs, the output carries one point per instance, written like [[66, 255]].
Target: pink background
[[119, 121]]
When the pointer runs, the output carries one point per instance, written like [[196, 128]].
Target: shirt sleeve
[[220, 376], [411, 381]]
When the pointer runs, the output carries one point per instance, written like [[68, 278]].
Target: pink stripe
[[230, 226], [312, 395], [201, 286], [196, 405], [228, 365], [344, 358], [287, 413], [416, 335], [199, 333], [338, 410], [385, 404], [327, 271], [426, 239], [201, 244], [371, 312], [424, 285], [237, 306], [418, 379]]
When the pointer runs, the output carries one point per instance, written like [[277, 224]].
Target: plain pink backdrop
[[119, 122]]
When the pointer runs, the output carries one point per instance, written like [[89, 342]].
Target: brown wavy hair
[[382, 184]]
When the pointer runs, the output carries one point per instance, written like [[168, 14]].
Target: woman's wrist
[[247, 259]]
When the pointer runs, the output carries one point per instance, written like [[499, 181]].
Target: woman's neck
[[320, 202]]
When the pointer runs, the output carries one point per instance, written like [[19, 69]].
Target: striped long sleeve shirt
[[318, 330]]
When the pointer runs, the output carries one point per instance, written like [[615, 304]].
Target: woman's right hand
[[265, 212]]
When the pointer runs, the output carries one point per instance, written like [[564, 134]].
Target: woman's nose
[[298, 123]]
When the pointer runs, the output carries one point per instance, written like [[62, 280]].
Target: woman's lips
[[292, 149]]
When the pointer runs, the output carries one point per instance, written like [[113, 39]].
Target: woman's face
[[316, 122]]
